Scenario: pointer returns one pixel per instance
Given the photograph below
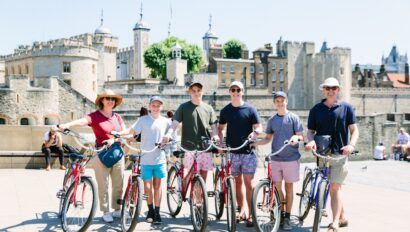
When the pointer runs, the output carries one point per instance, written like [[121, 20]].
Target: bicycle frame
[[188, 179], [135, 171]]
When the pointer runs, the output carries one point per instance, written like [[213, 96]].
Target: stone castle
[[56, 81]]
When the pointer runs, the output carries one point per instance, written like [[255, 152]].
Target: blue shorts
[[157, 170], [243, 164]]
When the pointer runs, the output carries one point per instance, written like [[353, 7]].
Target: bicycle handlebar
[[248, 141], [195, 151], [339, 157], [124, 141]]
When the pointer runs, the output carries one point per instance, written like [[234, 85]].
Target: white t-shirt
[[378, 152], [47, 137]]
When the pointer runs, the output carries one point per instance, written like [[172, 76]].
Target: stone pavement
[[377, 199]]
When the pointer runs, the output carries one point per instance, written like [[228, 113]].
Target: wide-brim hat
[[108, 93], [329, 82]]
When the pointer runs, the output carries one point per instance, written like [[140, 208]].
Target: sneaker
[[62, 167], [150, 216], [157, 219], [286, 224], [107, 217], [116, 214]]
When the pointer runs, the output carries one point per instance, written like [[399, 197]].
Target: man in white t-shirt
[[53, 143], [380, 152]]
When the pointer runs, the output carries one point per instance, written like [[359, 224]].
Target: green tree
[[233, 49], [157, 55]]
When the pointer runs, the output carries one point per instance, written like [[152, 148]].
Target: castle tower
[[177, 67], [209, 40], [141, 43]]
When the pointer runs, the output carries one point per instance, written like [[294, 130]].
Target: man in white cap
[[337, 119], [243, 122]]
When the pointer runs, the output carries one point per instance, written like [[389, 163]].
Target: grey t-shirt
[[152, 130], [283, 128]]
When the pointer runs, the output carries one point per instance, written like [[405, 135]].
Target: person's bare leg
[[239, 194], [336, 203], [249, 185]]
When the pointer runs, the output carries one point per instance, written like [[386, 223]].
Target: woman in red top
[[102, 122]]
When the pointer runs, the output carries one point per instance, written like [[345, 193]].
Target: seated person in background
[[380, 152], [53, 143], [403, 139]]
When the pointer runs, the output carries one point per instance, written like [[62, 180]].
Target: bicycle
[[78, 197], [315, 190], [266, 203], [224, 186], [177, 189], [133, 195]]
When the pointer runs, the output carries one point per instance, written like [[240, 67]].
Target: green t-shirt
[[196, 123]]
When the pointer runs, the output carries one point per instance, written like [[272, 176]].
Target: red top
[[102, 126]]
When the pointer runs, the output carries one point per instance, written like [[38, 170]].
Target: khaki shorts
[[337, 170]]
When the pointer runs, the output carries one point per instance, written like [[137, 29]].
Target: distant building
[[395, 62]]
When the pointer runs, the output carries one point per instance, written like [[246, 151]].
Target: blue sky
[[369, 27]]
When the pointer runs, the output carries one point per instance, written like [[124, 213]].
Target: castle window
[[232, 79], [223, 68], [281, 88], [273, 66], [407, 117], [253, 82], [2, 121], [261, 69], [24, 121], [273, 89], [6, 72], [47, 121], [93, 68], [93, 85], [27, 69], [261, 81], [274, 77], [252, 69], [232, 68], [342, 71], [281, 66], [390, 117], [19, 70], [223, 80], [66, 67], [12, 70], [282, 77]]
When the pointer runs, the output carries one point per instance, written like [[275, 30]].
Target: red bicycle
[[177, 189], [78, 197], [224, 186]]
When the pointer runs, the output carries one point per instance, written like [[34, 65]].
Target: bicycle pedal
[[60, 194], [324, 213], [211, 193]]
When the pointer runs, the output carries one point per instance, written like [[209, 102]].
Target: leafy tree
[[157, 55], [233, 49]]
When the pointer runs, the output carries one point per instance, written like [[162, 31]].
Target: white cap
[[236, 83], [329, 82]]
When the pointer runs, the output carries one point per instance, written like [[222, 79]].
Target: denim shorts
[[243, 163], [157, 170]]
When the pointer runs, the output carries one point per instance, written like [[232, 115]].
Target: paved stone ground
[[377, 198]]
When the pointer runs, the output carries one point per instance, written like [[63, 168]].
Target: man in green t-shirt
[[198, 120]]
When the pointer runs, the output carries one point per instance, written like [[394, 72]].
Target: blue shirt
[[322, 120], [240, 122], [283, 127]]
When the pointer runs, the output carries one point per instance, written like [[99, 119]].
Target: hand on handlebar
[[295, 139], [347, 150], [108, 142], [116, 134], [310, 146]]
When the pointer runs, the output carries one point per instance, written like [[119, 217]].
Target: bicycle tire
[[132, 197], [199, 215], [272, 213], [66, 185], [231, 205], [306, 203], [174, 192], [67, 202], [219, 195], [319, 206]]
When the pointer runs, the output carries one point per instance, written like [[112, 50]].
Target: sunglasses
[[233, 90], [331, 88], [110, 98]]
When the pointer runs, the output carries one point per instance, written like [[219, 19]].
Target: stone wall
[[2, 71]]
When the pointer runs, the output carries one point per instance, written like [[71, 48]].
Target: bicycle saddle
[[76, 156]]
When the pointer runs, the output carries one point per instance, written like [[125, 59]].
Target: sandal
[[249, 222], [343, 222], [240, 218], [332, 228]]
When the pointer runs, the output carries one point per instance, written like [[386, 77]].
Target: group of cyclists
[[197, 120]]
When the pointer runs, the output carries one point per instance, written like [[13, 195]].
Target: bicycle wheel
[[79, 205], [199, 204], [305, 202], [174, 192], [131, 205], [219, 195], [231, 205], [319, 206], [265, 207]]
